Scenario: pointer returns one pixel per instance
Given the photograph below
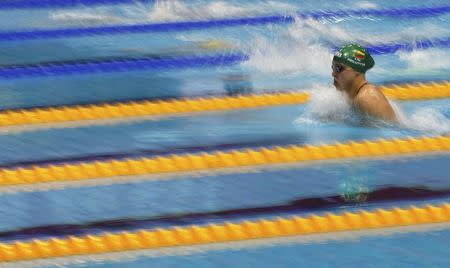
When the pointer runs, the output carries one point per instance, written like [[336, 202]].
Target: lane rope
[[32, 34], [18, 71], [224, 232], [92, 113], [417, 91], [126, 64], [219, 160], [382, 49]]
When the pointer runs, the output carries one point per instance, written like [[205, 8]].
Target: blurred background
[[60, 54]]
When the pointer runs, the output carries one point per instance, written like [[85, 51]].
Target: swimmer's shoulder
[[369, 91], [371, 95], [370, 100]]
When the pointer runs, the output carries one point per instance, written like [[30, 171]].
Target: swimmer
[[349, 66]]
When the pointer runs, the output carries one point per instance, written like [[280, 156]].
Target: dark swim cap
[[355, 56]]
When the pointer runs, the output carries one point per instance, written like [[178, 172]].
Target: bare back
[[370, 100]]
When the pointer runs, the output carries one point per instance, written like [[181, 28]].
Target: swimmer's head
[[350, 64], [354, 56]]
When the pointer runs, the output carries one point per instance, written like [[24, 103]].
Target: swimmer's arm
[[377, 108]]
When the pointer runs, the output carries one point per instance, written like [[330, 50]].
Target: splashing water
[[425, 60], [178, 10], [289, 57], [172, 10], [430, 120], [329, 105], [325, 104], [366, 5], [86, 17], [304, 47], [299, 49], [293, 51]]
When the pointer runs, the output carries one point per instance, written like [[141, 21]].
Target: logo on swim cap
[[359, 55], [355, 56]]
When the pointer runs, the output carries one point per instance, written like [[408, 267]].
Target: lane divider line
[[17, 71], [132, 255], [225, 232], [219, 160], [55, 115], [177, 26], [146, 63], [417, 91]]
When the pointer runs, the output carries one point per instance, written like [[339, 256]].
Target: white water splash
[[325, 104], [86, 17], [366, 5], [329, 105], [295, 50], [336, 33], [179, 10], [170, 10], [303, 47], [427, 119], [430, 59], [289, 57]]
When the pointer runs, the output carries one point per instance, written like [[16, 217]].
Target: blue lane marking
[[216, 23], [131, 64], [108, 65], [421, 44]]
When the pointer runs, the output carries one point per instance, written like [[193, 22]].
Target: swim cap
[[355, 56]]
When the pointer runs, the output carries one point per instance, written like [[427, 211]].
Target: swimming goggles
[[338, 68]]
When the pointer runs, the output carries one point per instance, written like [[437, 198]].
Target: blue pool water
[[219, 192], [284, 56], [188, 134]]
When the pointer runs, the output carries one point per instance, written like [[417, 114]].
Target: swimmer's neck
[[356, 86]]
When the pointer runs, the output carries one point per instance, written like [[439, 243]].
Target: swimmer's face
[[343, 76]]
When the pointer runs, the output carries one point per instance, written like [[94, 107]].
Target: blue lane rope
[[138, 28], [422, 44], [215, 23], [132, 64], [151, 63], [34, 4]]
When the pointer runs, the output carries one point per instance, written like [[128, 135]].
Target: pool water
[[281, 56]]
